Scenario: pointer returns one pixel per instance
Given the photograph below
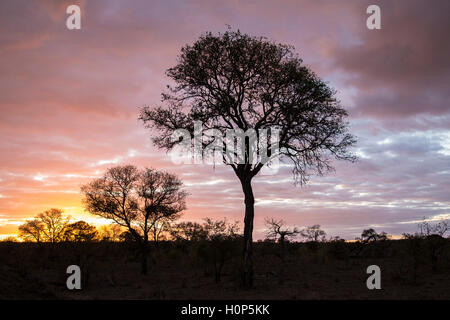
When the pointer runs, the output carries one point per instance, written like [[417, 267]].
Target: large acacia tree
[[233, 81], [136, 200]]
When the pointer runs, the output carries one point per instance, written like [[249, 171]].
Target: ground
[[186, 271]]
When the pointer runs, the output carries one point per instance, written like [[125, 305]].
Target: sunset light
[[249, 138]]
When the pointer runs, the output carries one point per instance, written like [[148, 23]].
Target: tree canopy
[[235, 81]]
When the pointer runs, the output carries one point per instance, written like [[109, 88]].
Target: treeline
[[214, 241], [214, 244], [52, 226]]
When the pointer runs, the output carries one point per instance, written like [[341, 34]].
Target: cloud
[[70, 103], [402, 70]]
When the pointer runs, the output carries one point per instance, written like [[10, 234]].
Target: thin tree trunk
[[247, 256]]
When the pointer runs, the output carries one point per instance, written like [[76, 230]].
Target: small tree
[[220, 236], [48, 226], [188, 231], [54, 223], [111, 232], [80, 231], [245, 84], [439, 228], [31, 231], [370, 235], [10, 239], [161, 229], [313, 233], [277, 230], [135, 199], [432, 236]]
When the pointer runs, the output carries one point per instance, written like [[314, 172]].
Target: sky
[[70, 99]]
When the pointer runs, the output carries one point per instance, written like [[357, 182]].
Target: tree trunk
[[247, 258]]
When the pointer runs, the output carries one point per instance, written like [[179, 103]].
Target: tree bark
[[247, 255]]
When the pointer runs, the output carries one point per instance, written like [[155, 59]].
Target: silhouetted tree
[[111, 232], [313, 233], [48, 226], [233, 81], [54, 223], [188, 231], [220, 236], [160, 229], [431, 236], [127, 236], [278, 230], [80, 231], [31, 231], [434, 234], [370, 235], [10, 239], [439, 228], [135, 199]]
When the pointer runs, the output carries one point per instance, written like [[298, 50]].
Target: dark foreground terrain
[[410, 269]]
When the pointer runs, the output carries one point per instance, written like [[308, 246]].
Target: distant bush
[[338, 249]]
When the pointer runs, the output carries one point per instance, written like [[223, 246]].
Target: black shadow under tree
[[235, 81]]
